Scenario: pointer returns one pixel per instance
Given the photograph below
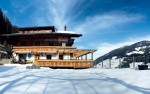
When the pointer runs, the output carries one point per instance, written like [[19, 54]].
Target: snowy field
[[19, 80]]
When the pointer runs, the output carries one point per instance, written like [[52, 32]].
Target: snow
[[114, 57], [66, 32], [16, 79], [135, 52], [138, 48]]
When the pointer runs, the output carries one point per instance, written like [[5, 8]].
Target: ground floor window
[[49, 56], [61, 57], [29, 56], [22, 56]]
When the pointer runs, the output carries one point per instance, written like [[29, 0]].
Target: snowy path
[[18, 80]]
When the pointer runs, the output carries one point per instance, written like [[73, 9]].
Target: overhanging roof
[[53, 33], [77, 52], [37, 28]]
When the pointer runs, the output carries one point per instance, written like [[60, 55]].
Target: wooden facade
[[47, 48]]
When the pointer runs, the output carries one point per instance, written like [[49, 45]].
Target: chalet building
[[47, 48]]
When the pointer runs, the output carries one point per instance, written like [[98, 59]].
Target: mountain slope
[[140, 51]]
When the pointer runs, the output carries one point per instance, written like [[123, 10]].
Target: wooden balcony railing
[[65, 63], [39, 49], [33, 47]]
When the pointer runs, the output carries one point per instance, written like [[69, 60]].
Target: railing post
[[36, 58], [91, 56], [68, 55], [102, 62], [110, 63], [86, 56], [120, 62], [133, 62], [58, 54]]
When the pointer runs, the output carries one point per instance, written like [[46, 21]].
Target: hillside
[[137, 52], [6, 26]]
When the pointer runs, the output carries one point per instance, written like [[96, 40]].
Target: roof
[[37, 28], [66, 32], [53, 33]]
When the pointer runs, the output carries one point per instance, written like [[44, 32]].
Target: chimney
[[65, 28]]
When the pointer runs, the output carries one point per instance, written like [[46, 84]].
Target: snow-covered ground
[[19, 80]]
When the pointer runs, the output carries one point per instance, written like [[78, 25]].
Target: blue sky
[[105, 24]]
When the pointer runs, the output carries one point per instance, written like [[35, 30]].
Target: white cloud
[[104, 48], [66, 12], [107, 21], [103, 23], [61, 11]]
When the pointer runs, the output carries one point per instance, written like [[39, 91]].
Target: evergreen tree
[[6, 28], [5, 25]]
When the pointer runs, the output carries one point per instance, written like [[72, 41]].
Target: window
[[26, 32], [51, 44], [19, 44], [36, 31], [63, 44], [47, 31], [37, 43], [29, 56], [22, 56], [49, 56], [23, 44]]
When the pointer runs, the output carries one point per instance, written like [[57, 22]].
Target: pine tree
[[6, 28], [5, 25]]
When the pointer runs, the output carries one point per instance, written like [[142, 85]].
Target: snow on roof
[[66, 32]]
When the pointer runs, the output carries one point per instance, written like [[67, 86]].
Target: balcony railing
[[65, 63]]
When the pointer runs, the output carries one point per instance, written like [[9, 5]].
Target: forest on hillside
[[6, 26]]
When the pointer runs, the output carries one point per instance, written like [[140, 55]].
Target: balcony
[[36, 49], [65, 63]]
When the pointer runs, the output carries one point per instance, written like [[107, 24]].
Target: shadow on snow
[[100, 77]]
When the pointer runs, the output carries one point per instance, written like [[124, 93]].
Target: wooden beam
[[58, 54]]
